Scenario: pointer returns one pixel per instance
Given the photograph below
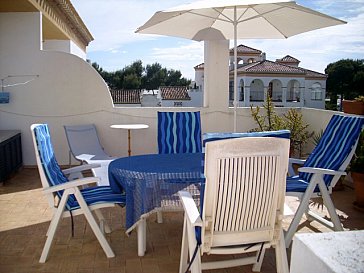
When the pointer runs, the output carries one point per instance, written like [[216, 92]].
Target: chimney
[[263, 56]]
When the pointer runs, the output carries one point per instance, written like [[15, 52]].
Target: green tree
[[345, 78], [154, 77], [135, 76]]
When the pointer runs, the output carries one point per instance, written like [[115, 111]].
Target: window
[[241, 89], [177, 104], [231, 90], [316, 92], [293, 91]]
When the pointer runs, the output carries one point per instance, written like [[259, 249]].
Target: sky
[[112, 23]]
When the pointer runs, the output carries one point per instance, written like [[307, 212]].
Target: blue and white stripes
[[336, 143], [55, 176], [179, 132]]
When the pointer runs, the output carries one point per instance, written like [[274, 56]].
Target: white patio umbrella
[[236, 19]]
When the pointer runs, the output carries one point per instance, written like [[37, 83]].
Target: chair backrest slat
[[245, 187], [179, 132]]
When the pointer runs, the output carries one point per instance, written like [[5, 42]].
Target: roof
[[243, 49], [314, 74], [126, 96], [270, 67], [174, 93], [288, 59], [200, 66]]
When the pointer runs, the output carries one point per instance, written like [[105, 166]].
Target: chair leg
[[196, 266], [183, 262], [93, 224], [302, 208], [53, 226], [281, 255], [103, 223], [257, 266], [331, 208]]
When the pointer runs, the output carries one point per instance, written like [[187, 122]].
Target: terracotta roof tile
[[245, 49], [314, 74], [126, 96], [288, 59], [271, 67], [174, 93]]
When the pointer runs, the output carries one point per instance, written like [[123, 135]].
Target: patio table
[[151, 183]]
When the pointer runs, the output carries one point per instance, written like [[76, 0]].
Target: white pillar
[[216, 74]]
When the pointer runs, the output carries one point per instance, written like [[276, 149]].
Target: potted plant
[[357, 173], [292, 120], [355, 106]]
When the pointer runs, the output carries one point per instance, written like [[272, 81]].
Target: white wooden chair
[[242, 205], [65, 195], [321, 171], [85, 146]]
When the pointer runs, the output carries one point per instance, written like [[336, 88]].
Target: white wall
[[66, 46]]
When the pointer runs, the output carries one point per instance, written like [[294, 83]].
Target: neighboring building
[[165, 96], [126, 97], [288, 84], [174, 96]]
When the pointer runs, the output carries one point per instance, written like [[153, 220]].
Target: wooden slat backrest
[[244, 194]]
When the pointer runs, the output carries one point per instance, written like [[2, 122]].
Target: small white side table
[[129, 127]]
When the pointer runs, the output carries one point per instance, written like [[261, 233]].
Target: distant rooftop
[[126, 96], [174, 93], [245, 50]]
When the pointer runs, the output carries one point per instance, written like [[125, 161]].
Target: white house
[[288, 84]]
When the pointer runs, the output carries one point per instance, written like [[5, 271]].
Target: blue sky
[[113, 23]]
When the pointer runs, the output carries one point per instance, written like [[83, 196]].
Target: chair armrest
[[320, 171], [81, 168], [291, 170], [297, 161], [191, 211], [72, 184]]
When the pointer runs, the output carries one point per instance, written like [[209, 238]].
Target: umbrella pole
[[235, 70]]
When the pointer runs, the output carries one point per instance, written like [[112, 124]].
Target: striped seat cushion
[[96, 195], [297, 184], [179, 132], [55, 176]]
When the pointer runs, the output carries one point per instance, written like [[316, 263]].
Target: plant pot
[[353, 107], [358, 179]]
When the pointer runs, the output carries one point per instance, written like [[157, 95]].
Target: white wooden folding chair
[[85, 146], [242, 206], [321, 171], [65, 195]]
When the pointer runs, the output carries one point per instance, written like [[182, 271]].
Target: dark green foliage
[[357, 163], [135, 76], [345, 78]]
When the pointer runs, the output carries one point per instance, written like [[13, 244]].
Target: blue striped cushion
[[50, 165], [335, 145], [179, 132], [207, 137], [297, 184], [55, 176], [96, 195]]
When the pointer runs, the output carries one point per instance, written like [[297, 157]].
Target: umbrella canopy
[[236, 19]]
